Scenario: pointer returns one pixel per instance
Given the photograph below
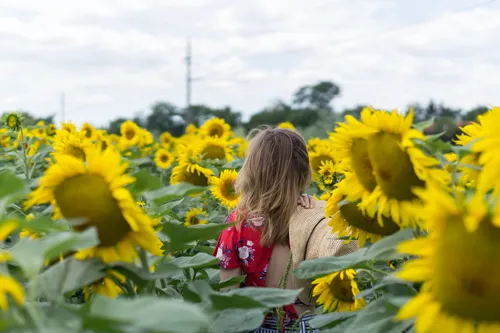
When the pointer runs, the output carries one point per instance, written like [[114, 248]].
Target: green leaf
[[151, 314], [179, 234], [234, 164], [31, 254], [12, 189], [378, 317], [434, 137], [311, 269], [236, 280], [42, 224], [385, 249], [268, 297], [69, 275], [424, 124], [145, 181], [200, 260], [234, 301], [142, 277], [173, 192], [330, 320], [238, 320]]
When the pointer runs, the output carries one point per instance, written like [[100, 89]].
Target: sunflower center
[[51, 130], [316, 161], [164, 158], [88, 196], [104, 145], [392, 167], [129, 134], [195, 178], [328, 176], [361, 164], [195, 220], [216, 131], [214, 152], [341, 288], [467, 274], [88, 133], [228, 191], [356, 218], [12, 121], [76, 152]]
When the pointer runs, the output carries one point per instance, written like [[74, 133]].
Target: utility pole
[[63, 106], [189, 115]]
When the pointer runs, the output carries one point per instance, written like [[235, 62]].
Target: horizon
[[113, 59]]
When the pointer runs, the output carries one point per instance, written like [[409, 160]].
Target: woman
[[271, 182]]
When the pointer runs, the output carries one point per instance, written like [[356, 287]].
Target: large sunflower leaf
[[173, 192], [149, 314], [69, 275], [383, 250]]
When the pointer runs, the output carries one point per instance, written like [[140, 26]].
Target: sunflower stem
[[25, 155]]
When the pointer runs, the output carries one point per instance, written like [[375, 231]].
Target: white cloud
[[116, 57]]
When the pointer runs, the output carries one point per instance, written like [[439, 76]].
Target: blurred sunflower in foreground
[[108, 206], [461, 284]]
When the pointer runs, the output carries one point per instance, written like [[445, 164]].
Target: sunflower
[[380, 152], [216, 127], [312, 143], [100, 184], [107, 286], [51, 130], [189, 169], [4, 138], [191, 129], [191, 173], [26, 233], [485, 145], [460, 282], [327, 173], [68, 127], [349, 221], [337, 290], [166, 139], [13, 121], [196, 216], [88, 131], [286, 124], [316, 158], [163, 159], [213, 148], [6, 228], [66, 143], [9, 286], [223, 188], [240, 146], [131, 134]]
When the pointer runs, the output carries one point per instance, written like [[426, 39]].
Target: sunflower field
[[115, 233]]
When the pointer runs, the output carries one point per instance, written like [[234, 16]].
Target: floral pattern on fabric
[[241, 247]]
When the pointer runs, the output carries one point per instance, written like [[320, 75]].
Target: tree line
[[310, 110]]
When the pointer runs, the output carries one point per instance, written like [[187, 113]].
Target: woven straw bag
[[311, 238]]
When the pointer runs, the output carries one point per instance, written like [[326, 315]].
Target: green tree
[[472, 114], [316, 96], [165, 117]]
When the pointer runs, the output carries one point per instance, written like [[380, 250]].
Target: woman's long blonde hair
[[275, 173]]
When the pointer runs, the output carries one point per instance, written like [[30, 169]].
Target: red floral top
[[242, 248]]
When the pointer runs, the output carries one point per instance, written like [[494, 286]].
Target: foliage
[[61, 271]]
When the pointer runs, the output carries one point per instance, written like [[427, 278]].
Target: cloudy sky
[[114, 58]]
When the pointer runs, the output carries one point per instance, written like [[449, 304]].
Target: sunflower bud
[[13, 121]]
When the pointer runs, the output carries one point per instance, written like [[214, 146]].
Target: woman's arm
[[226, 274]]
